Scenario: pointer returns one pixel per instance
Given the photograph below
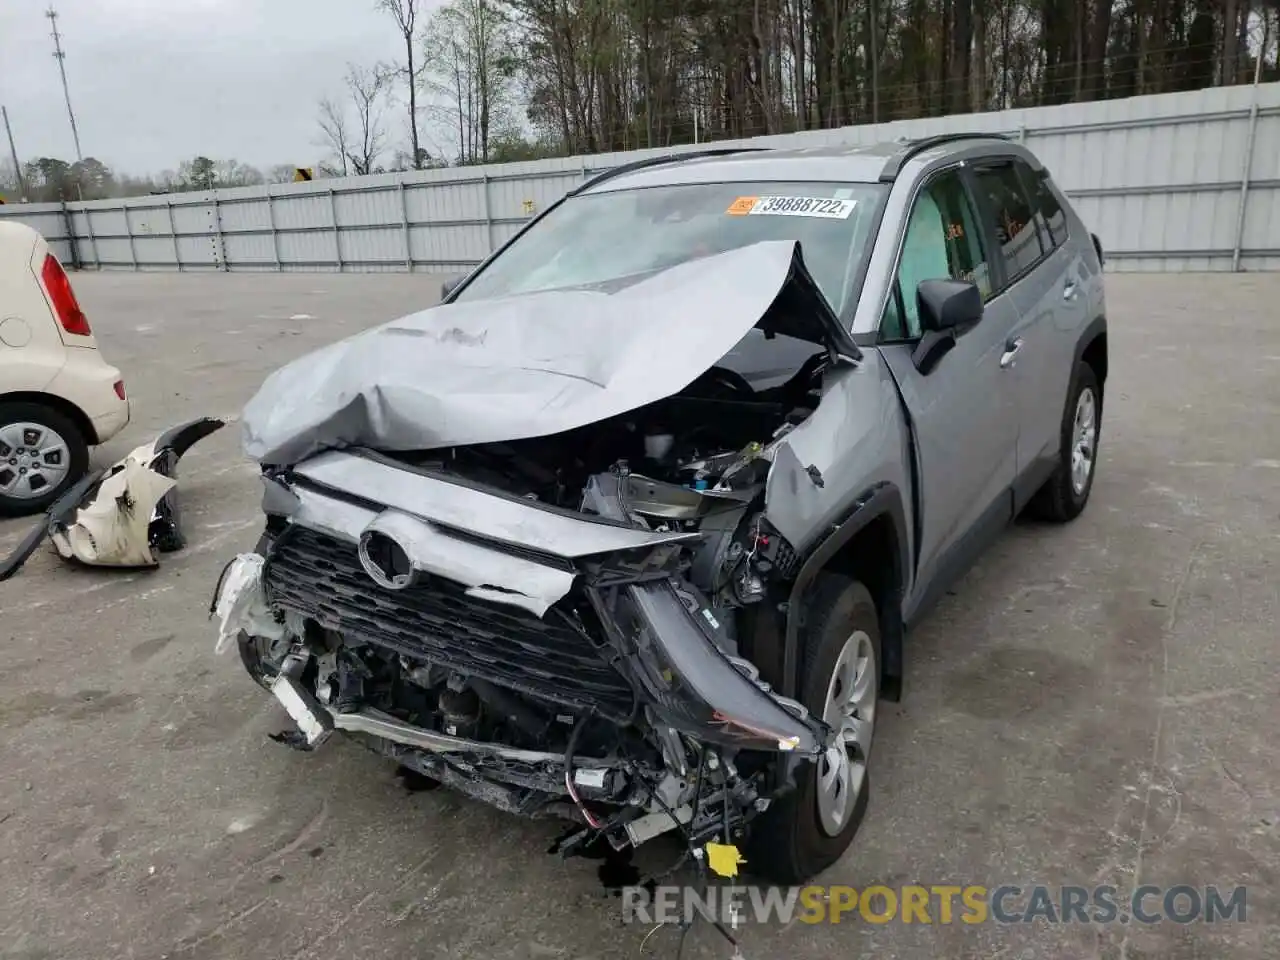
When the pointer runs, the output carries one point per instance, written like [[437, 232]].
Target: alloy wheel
[[34, 459], [850, 708]]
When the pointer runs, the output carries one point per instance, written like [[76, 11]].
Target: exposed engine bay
[[709, 437], [575, 739]]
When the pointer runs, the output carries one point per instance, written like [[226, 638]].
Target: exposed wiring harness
[[568, 771], [685, 830], [689, 851]]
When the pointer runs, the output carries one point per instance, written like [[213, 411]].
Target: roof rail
[[658, 161], [912, 148]]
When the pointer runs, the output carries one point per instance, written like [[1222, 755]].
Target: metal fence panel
[[1183, 181], [312, 248], [249, 250], [50, 219], [376, 246]]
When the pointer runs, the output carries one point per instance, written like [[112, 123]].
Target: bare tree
[[368, 89], [353, 128], [334, 135], [233, 173], [405, 14], [470, 67]]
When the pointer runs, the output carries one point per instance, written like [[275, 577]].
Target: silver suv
[[631, 529]]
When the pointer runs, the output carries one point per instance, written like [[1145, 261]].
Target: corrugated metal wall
[[1184, 181]]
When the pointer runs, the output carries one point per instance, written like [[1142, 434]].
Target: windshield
[[599, 238]]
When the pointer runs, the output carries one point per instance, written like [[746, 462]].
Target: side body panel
[[855, 440], [31, 352], [964, 428], [962, 416], [1089, 269], [1046, 296], [946, 544]]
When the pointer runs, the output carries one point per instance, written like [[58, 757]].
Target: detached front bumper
[[481, 582]]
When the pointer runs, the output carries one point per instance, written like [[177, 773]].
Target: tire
[[1063, 498], [792, 841], [60, 459]]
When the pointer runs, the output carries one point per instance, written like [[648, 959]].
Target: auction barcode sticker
[[825, 207]]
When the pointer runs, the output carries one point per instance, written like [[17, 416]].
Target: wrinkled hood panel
[[534, 364]]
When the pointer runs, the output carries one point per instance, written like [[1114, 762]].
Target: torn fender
[[240, 603]]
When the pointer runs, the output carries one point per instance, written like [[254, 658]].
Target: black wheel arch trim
[[1097, 328], [879, 500]]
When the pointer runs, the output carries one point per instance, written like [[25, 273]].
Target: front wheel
[[807, 831], [1065, 494], [42, 453]]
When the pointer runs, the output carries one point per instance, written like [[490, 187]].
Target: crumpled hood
[[533, 364]]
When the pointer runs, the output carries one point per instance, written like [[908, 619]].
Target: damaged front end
[[579, 623], [544, 661]]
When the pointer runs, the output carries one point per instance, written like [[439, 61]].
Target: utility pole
[[17, 167], [875, 64], [62, 69]]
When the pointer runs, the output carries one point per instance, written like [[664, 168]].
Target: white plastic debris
[[112, 528], [242, 604]]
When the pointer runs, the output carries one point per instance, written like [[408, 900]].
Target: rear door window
[[1049, 213], [1011, 217]]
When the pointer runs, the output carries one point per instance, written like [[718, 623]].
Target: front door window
[[943, 241]]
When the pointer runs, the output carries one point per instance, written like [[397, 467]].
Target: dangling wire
[[568, 771]]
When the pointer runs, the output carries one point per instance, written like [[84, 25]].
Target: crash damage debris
[[125, 516]]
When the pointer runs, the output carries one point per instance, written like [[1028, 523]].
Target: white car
[[58, 396]]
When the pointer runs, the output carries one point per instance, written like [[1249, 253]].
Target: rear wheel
[[1065, 494], [42, 453], [807, 831]]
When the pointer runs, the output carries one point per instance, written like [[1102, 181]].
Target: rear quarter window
[[1012, 217]]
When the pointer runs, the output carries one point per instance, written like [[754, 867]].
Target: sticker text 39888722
[[824, 207]]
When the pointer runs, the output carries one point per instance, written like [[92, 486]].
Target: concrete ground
[[1093, 704]]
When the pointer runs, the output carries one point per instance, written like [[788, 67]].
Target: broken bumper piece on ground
[[124, 516]]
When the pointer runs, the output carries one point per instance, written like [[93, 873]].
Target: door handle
[[1010, 354], [1069, 291]]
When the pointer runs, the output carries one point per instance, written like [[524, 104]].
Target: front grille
[[321, 577]]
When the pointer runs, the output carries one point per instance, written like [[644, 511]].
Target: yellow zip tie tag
[[724, 858]]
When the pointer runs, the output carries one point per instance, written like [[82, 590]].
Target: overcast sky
[[154, 82]]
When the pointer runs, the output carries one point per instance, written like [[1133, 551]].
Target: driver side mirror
[[946, 306], [449, 286]]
